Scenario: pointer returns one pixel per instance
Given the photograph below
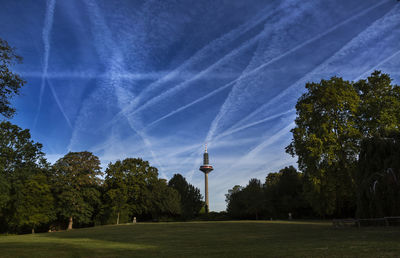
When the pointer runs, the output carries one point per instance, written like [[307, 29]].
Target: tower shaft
[[206, 168], [206, 190]]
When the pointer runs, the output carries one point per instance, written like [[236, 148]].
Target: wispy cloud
[[150, 95], [112, 56]]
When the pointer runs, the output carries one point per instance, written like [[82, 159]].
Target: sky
[[159, 79]]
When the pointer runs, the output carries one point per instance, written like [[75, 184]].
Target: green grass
[[209, 239]]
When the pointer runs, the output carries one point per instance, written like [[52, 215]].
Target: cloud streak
[[229, 101], [48, 24]]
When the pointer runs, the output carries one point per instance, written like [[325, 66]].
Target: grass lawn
[[209, 239]]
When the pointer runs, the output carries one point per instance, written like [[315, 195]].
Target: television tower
[[206, 168]]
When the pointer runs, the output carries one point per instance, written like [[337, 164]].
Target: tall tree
[[190, 197], [116, 189], [128, 185], [325, 140], [76, 185], [10, 83]]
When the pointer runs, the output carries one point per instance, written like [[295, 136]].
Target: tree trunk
[[118, 219], [33, 230], [70, 223]]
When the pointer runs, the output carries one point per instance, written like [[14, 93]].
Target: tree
[[133, 178], [333, 118], [21, 165], [36, 203], [116, 188], [10, 83], [190, 197], [76, 185], [325, 140]]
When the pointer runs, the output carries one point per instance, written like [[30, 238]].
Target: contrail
[[377, 66], [361, 38], [197, 57], [186, 83], [212, 93], [95, 75], [58, 102], [116, 65], [227, 103], [263, 120], [271, 139], [199, 75], [48, 24]]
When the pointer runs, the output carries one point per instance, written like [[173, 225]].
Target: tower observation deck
[[206, 168]]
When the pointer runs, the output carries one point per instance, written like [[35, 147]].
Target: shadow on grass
[[35, 246]]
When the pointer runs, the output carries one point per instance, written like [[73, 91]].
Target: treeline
[[35, 195], [280, 196], [347, 140]]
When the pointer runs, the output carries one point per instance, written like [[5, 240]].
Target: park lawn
[[209, 239]]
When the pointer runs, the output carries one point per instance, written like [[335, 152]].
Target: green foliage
[[76, 185], [10, 83], [24, 187], [285, 194], [325, 140], [247, 202], [379, 110], [190, 197], [132, 189], [281, 194], [17, 150], [235, 202], [35, 204], [165, 200], [333, 117], [116, 190]]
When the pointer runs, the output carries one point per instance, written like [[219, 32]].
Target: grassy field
[[209, 239]]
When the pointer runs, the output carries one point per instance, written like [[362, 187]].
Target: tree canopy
[[26, 198], [10, 83], [76, 184]]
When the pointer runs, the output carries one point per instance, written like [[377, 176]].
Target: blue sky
[[158, 79]]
